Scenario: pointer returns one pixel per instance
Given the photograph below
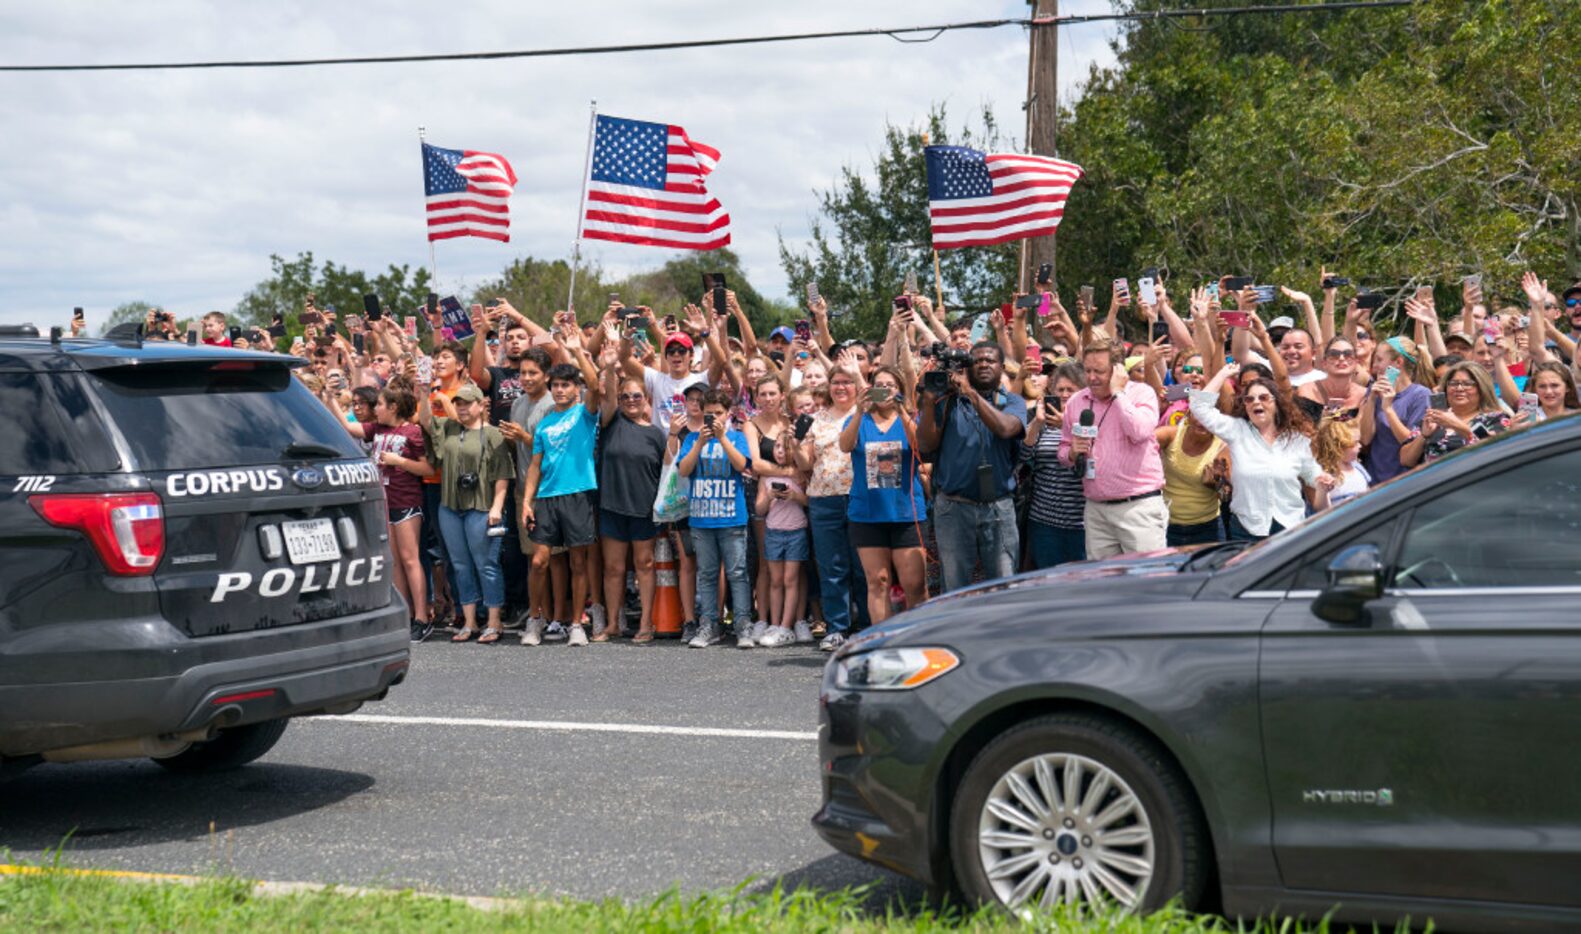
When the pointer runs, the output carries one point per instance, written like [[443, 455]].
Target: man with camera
[[1111, 442], [975, 427]]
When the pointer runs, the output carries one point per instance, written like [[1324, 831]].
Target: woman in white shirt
[[1270, 453]]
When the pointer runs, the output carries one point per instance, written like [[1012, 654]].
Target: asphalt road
[[491, 809]]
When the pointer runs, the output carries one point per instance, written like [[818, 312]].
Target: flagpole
[[581, 204], [938, 281], [433, 265]]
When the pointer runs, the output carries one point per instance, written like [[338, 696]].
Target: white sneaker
[[707, 634], [759, 630], [832, 642], [600, 621], [802, 632], [776, 637], [578, 636], [532, 631]]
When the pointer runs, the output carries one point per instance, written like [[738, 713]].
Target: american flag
[[647, 187], [468, 193], [975, 198]]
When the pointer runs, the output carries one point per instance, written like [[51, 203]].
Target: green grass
[[54, 899]]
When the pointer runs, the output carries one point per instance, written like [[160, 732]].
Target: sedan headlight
[[892, 669]]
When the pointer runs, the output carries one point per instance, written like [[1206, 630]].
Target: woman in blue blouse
[[886, 509]]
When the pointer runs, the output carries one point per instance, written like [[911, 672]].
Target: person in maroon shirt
[[401, 451]]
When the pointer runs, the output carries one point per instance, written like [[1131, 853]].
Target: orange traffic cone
[[667, 615]]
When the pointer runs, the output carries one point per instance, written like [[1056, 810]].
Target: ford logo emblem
[[308, 478]]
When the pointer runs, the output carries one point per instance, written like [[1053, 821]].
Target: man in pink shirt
[[1124, 474]]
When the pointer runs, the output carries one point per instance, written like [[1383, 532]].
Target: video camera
[[946, 360]]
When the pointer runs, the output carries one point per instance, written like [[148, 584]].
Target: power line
[[901, 34]]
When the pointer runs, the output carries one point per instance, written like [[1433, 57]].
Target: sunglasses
[[1466, 387], [677, 352], [1261, 397], [1191, 370], [632, 397], [1340, 354]]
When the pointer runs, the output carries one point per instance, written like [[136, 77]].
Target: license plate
[[311, 540]]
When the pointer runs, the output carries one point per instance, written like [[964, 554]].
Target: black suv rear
[[191, 552]]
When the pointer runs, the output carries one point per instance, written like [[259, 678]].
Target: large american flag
[[468, 193], [646, 187], [976, 198]]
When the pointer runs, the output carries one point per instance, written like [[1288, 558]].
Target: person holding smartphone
[[1396, 403], [886, 508], [782, 501], [828, 502], [714, 460], [1470, 413], [1055, 529]]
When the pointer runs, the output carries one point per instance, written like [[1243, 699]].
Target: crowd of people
[[807, 488]]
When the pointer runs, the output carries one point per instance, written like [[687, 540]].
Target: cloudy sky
[[174, 187]]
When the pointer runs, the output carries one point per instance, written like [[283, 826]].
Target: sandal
[[643, 637], [491, 634], [466, 633]]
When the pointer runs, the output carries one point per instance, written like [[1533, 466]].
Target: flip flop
[[491, 634], [464, 635], [643, 637]]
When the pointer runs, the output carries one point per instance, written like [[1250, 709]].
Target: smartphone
[[614, 297], [1034, 355], [311, 316], [1439, 401], [1176, 393], [410, 325], [804, 424], [1490, 331], [425, 369], [1334, 282], [1525, 321], [910, 287], [1236, 319], [878, 394], [1531, 405], [1392, 374], [76, 314], [542, 340], [1160, 329], [1026, 301], [902, 303], [669, 323], [1045, 304], [980, 326], [192, 335], [236, 334], [778, 485], [357, 342], [433, 303], [1265, 293], [1122, 290], [1008, 312], [1473, 285], [1370, 301], [803, 329], [277, 329], [1236, 283], [1144, 291], [1054, 402], [812, 293], [1086, 295], [1213, 291], [371, 307], [1045, 275]]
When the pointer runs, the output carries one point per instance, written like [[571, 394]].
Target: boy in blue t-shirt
[[557, 497], [714, 460]]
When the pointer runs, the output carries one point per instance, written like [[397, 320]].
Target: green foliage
[[538, 288], [126, 313], [874, 229], [400, 288]]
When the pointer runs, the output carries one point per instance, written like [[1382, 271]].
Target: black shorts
[[884, 535], [619, 528], [565, 521], [397, 515]]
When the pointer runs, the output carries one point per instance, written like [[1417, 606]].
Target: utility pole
[[1041, 104]]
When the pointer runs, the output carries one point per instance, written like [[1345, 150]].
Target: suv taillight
[[126, 529]]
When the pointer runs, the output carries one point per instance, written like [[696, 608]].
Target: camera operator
[[1111, 438], [976, 428]]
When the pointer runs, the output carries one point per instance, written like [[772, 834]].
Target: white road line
[[566, 726]]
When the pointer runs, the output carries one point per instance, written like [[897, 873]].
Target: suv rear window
[[47, 426], [214, 415]]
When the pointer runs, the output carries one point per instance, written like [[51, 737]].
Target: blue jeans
[[474, 556], [727, 546], [972, 532], [1203, 533], [1238, 532], [1053, 545], [837, 568]]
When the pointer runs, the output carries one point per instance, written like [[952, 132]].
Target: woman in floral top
[[828, 496], [1473, 413]]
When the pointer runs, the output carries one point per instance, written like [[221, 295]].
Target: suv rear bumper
[[229, 680]]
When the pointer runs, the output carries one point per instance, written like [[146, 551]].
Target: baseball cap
[[783, 332], [471, 393], [678, 338], [1457, 336], [1283, 321], [1573, 290], [1132, 363]]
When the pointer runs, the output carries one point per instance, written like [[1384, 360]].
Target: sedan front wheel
[[1075, 809]]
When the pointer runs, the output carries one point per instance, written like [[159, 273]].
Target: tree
[[538, 288], [400, 289], [680, 281], [875, 229]]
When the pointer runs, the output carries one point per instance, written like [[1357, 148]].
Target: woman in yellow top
[[1188, 451]]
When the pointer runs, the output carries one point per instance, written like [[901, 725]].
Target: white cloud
[[176, 186]]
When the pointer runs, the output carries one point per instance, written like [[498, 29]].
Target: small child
[[1336, 448], [784, 501]]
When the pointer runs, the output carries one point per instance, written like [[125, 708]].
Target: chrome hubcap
[[1064, 828]]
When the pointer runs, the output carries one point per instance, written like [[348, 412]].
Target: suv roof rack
[[18, 330]]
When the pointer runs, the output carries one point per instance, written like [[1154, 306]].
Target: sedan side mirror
[[1355, 576]]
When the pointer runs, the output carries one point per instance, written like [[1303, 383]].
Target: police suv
[[192, 552]]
